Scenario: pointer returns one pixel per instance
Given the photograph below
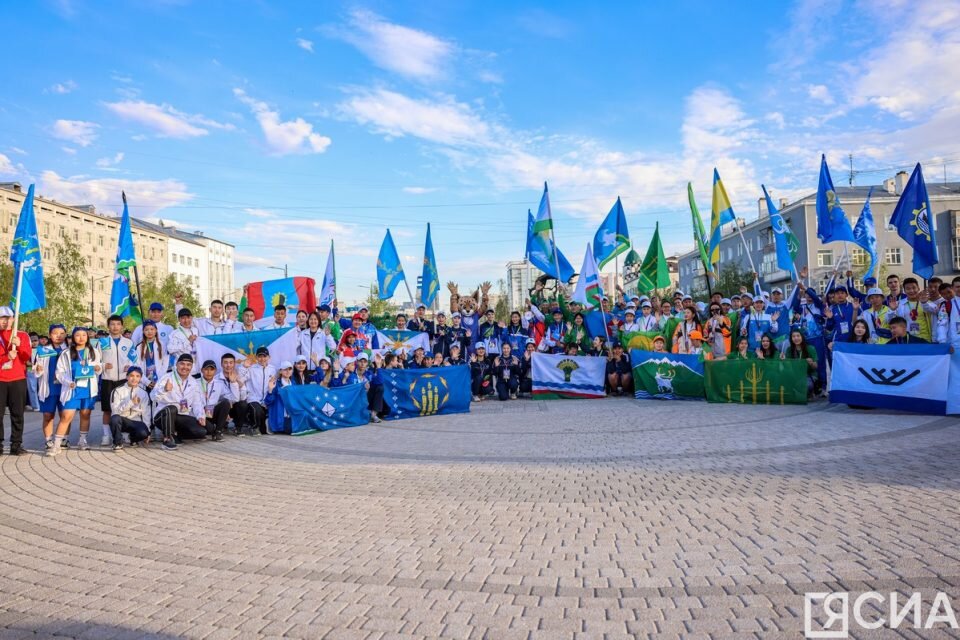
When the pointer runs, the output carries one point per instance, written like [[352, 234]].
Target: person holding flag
[[29, 294]]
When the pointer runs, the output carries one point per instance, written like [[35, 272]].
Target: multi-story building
[[520, 278], [195, 259], [895, 255], [631, 273], [95, 235]]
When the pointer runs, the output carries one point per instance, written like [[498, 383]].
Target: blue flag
[[389, 269], [430, 279], [122, 301], [786, 242], [26, 257], [541, 245], [865, 234], [914, 224], [832, 223], [612, 238], [315, 408], [328, 292], [411, 393]]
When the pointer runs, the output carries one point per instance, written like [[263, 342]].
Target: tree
[[501, 310], [378, 307], [164, 291], [732, 277], [66, 286]]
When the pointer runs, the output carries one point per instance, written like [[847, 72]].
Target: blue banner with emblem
[[315, 408], [411, 393]]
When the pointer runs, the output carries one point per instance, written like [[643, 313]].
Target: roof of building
[[173, 232]]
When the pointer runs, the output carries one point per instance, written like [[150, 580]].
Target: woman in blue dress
[[77, 371]]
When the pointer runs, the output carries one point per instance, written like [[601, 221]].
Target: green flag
[[699, 233], [757, 381], [653, 271], [642, 340], [667, 375]]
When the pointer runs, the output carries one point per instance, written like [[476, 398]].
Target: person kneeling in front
[[179, 411], [130, 406]]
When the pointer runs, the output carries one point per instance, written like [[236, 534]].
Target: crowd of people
[[149, 380]]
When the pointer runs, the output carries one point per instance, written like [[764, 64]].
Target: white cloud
[[105, 163], [247, 261], [284, 137], [62, 88], [419, 190], [79, 132], [444, 121], [69, 150], [490, 77], [776, 118], [6, 167], [820, 93], [166, 121], [146, 196], [18, 151], [305, 44], [409, 52], [260, 213]]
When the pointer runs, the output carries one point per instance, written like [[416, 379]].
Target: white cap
[[6, 312], [646, 303], [480, 345], [455, 314], [363, 307], [362, 356], [777, 290], [286, 364], [345, 360], [300, 358], [875, 291], [687, 298], [726, 301]]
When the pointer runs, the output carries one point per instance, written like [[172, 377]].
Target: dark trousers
[[173, 424], [375, 398], [13, 396], [506, 387], [119, 425], [257, 416], [240, 412], [221, 412], [477, 387]]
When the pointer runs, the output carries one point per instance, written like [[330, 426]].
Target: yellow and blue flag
[[721, 212], [123, 302], [389, 269], [832, 223], [915, 225], [612, 238], [430, 279], [28, 286]]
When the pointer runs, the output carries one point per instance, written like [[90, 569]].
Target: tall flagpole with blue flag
[[832, 223], [865, 234], [914, 224], [328, 291], [389, 270], [122, 301], [429, 279], [29, 293]]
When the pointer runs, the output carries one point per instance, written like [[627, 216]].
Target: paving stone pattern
[[528, 519]]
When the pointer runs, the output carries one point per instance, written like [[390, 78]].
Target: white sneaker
[[126, 438], [82, 444], [106, 440], [53, 450]]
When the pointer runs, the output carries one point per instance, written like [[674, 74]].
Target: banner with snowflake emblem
[[315, 408]]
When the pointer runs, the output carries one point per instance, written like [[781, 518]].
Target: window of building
[[63, 232], [859, 257], [46, 254], [46, 229], [101, 263], [76, 235], [100, 240], [825, 258], [893, 255], [769, 263], [173, 256], [956, 253], [182, 261]]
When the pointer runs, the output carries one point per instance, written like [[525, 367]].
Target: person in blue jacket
[[278, 420], [348, 372]]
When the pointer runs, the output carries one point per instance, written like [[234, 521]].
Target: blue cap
[[324, 307], [870, 282], [56, 326], [134, 369], [156, 306], [837, 288]]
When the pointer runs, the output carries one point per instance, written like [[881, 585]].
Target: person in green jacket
[[578, 335], [798, 349], [742, 352]]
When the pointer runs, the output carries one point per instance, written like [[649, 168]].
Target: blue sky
[[278, 126]]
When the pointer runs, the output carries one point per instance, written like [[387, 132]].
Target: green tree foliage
[[378, 307], [732, 277], [501, 310], [165, 290]]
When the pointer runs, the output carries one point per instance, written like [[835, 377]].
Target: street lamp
[[92, 281], [283, 268]]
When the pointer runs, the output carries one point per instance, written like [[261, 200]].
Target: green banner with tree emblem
[[756, 381]]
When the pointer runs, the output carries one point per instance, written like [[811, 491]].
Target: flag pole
[[16, 305], [136, 271], [553, 237], [333, 259]]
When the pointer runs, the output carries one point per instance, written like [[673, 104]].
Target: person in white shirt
[[131, 411], [178, 405], [316, 343], [216, 406], [184, 339], [948, 317], [258, 379], [115, 357], [233, 390], [279, 319], [216, 324], [247, 323], [164, 330]]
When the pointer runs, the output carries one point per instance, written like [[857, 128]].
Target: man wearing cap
[[458, 333], [758, 322], [115, 356], [184, 339], [257, 379], [15, 357], [840, 316], [778, 306], [418, 359], [481, 384], [216, 407], [131, 410], [440, 336], [877, 316], [419, 322], [490, 331], [327, 322], [361, 340], [456, 357], [155, 313], [555, 332], [178, 405]]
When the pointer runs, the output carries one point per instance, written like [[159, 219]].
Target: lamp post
[[92, 281], [283, 268]]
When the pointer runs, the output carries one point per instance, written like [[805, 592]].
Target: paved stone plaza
[[562, 519]]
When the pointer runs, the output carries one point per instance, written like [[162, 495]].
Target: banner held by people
[[667, 376], [412, 393], [402, 342], [771, 381], [914, 376], [295, 294], [314, 408], [283, 344], [560, 376]]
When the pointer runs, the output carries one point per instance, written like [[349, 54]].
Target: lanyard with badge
[[207, 388], [184, 406], [193, 347], [841, 313]]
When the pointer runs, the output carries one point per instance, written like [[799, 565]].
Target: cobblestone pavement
[[563, 519]]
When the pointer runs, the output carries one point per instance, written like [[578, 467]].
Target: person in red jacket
[[15, 356]]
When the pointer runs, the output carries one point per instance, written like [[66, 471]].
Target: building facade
[[520, 278], [95, 235], [631, 275], [895, 256]]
